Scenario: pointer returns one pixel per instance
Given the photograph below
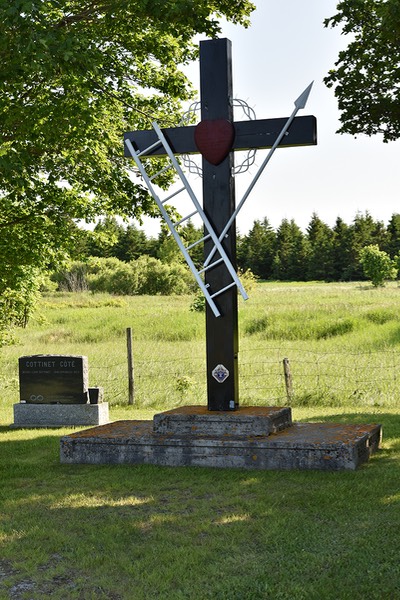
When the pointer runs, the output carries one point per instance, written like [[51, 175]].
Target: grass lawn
[[144, 532]]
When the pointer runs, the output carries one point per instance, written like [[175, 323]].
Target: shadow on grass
[[83, 531]]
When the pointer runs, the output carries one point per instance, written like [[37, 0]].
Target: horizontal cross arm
[[261, 133]]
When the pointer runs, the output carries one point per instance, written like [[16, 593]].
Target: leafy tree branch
[[366, 76]]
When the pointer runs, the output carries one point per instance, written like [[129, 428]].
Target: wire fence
[[310, 377]]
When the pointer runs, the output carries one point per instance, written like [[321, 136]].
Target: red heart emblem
[[214, 139]]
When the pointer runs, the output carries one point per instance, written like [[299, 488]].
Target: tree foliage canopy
[[366, 76], [74, 76]]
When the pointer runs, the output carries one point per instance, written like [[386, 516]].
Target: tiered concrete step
[[198, 420], [251, 438]]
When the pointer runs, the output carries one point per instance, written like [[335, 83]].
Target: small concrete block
[[59, 415], [311, 446], [198, 420]]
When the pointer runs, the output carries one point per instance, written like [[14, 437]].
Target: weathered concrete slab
[[322, 446], [60, 415], [198, 420]]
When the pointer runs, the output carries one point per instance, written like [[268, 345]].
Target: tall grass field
[[143, 532]]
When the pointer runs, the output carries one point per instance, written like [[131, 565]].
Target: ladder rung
[[186, 218], [172, 195], [223, 289], [146, 150], [198, 242], [216, 262], [167, 168]]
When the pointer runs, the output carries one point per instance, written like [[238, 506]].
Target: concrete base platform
[[198, 420], [318, 446], [59, 415]]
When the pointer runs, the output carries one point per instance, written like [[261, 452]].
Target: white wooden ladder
[[173, 227]]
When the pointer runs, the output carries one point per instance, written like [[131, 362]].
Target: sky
[[274, 60]]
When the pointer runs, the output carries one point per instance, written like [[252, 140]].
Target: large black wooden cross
[[219, 200]]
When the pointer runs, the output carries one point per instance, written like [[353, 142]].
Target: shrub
[[146, 275], [199, 302], [155, 277], [377, 265], [248, 279], [72, 278]]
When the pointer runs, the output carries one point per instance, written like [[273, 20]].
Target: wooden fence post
[[131, 384], [288, 379]]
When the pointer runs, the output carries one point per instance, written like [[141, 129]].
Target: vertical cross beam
[[219, 203]]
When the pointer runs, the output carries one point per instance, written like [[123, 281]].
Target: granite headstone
[[53, 379]]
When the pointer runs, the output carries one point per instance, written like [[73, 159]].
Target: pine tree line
[[321, 253]]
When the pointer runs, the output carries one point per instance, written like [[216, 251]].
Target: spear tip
[[302, 99]]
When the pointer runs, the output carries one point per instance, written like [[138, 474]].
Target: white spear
[[299, 103]]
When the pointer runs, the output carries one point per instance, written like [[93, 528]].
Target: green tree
[[190, 235], [75, 76], [168, 250], [81, 242], [290, 261], [377, 265], [257, 249], [18, 298], [105, 237], [364, 231], [341, 251], [131, 244], [392, 245], [366, 74], [320, 258]]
